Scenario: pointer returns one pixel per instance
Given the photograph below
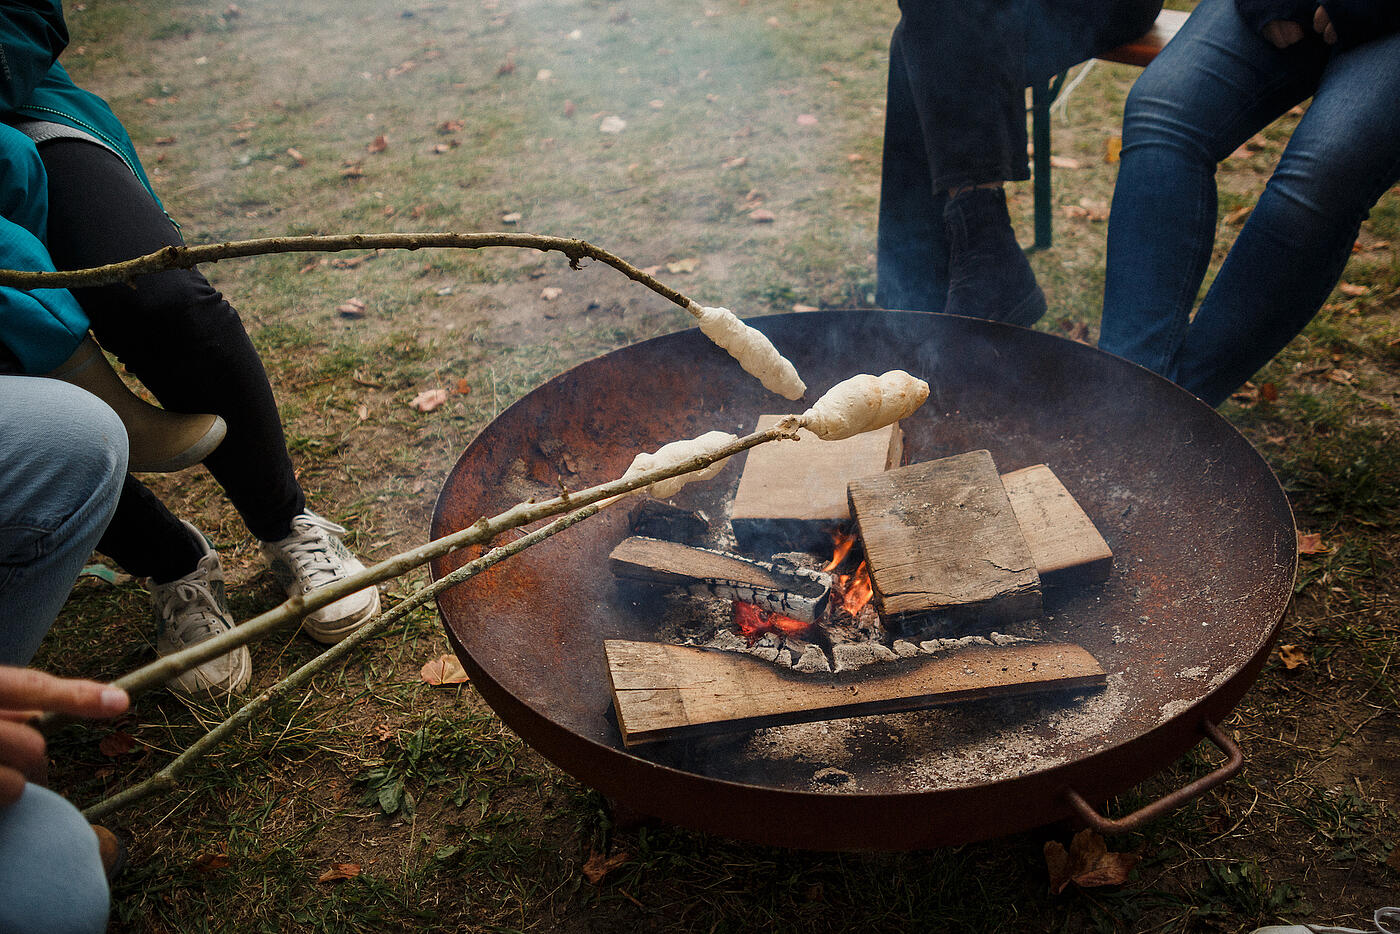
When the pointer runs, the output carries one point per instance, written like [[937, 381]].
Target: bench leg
[[1042, 95]]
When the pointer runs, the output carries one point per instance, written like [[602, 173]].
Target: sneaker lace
[[200, 618], [310, 551]]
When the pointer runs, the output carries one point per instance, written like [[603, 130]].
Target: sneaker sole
[[330, 635]]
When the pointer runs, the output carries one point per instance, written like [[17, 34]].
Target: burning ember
[[754, 621]]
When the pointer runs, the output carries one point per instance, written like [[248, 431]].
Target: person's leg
[[1214, 85], [178, 336], [62, 460], [51, 873], [912, 249], [1344, 154]]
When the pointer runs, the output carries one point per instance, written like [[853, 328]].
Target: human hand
[[1283, 32], [24, 693], [1322, 24]]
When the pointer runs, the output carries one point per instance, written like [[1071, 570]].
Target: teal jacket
[[43, 327]]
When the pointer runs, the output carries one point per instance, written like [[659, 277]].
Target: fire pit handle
[[1171, 800]]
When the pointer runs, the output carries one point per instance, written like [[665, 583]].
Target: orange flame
[[856, 589], [754, 621], [845, 541]]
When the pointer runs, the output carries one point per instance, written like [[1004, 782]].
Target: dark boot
[[988, 274]]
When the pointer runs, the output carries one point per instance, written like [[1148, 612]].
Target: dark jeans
[[1212, 88], [175, 333], [956, 114]]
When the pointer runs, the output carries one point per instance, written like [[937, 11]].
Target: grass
[[492, 108]]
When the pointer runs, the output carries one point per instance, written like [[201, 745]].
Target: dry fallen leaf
[[429, 399], [807, 120], [1292, 656], [800, 308], [1087, 863], [297, 157], [762, 216], [599, 865], [1311, 543], [339, 871], [445, 669], [463, 386], [210, 862], [1355, 291], [550, 292], [1063, 162], [612, 124], [735, 163], [116, 744], [1237, 216], [512, 217], [378, 144], [1113, 149]]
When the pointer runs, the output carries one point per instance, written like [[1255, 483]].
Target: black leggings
[[175, 333]]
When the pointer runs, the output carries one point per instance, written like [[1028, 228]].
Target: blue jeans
[[51, 876], [62, 463], [1213, 87]]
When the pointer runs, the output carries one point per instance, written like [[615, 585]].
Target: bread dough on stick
[[676, 452], [755, 353], [864, 403]]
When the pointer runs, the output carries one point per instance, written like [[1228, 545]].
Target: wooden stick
[[187, 257], [484, 529]]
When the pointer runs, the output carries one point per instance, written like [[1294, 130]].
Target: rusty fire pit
[[1205, 557]]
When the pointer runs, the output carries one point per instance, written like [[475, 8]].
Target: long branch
[[187, 257], [168, 776], [484, 529]]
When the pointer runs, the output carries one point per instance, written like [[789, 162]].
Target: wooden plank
[[943, 543], [794, 592], [792, 494], [1064, 543], [663, 691]]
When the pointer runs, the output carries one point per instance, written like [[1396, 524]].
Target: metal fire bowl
[[1205, 557]]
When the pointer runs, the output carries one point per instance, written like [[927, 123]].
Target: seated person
[[74, 195], [955, 130], [1236, 66], [62, 460]]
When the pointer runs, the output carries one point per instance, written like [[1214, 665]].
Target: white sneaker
[[189, 611], [311, 557]]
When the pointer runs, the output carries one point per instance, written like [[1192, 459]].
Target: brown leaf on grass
[[569, 108], [807, 120], [339, 871], [854, 157], [448, 127], [116, 744], [1113, 149], [507, 68], [210, 862], [762, 216], [378, 144], [297, 157], [352, 170], [550, 292], [165, 140], [1341, 377], [464, 386], [442, 148], [1237, 216], [429, 399], [736, 162], [1087, 863], [445, 669], [1354, 291], [1268, 392], [1311, 543], [598, 865], [800, 308], [1063, 162], [1292, 656]]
